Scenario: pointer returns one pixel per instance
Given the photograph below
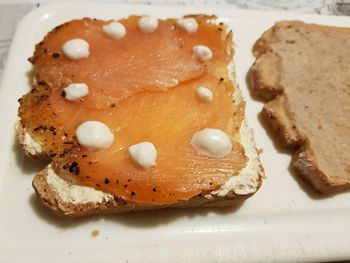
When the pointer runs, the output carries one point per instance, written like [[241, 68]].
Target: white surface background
[[284, 221]]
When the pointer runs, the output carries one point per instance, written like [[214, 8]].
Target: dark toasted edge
[[285, 132], [51, 200], [303, 160], [304, 165], [258, 86]]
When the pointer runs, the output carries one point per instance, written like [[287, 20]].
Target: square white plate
[[284, 221]]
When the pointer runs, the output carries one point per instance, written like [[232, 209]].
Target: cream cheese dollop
[[76, 91], [188, 24], [115, 30], [76, 49], [212, 142], [94, 135], [205, 94], [143, 154], [202, 52], [147, 24]]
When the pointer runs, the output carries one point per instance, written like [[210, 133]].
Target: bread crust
[[50, 199], [265, 82]]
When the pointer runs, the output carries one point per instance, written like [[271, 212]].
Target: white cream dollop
[[115, 30], [76, 49], [94, 135], [148, 24], [144, 154], [202, 52], [189, 24], [205, 94], [76, 91], [212, 142]]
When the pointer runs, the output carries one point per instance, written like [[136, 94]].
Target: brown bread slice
[[67, 199], [51, 199], [302, 71]]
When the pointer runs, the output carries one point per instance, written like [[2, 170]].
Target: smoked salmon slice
[[136, 62], [143, 87]]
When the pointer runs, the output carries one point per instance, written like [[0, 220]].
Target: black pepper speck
[[74, 168]]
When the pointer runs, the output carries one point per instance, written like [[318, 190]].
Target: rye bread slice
[[302, 72]]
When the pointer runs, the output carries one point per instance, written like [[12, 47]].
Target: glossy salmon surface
[[143, 87]]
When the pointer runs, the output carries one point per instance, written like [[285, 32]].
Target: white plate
[[284, 221]]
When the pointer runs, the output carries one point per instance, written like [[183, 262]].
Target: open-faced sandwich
[[137, 114]]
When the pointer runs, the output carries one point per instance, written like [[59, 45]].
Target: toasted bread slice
[[301, 70], [69, 185]]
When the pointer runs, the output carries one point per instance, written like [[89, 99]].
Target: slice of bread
[[68, 198], [302, 71]]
